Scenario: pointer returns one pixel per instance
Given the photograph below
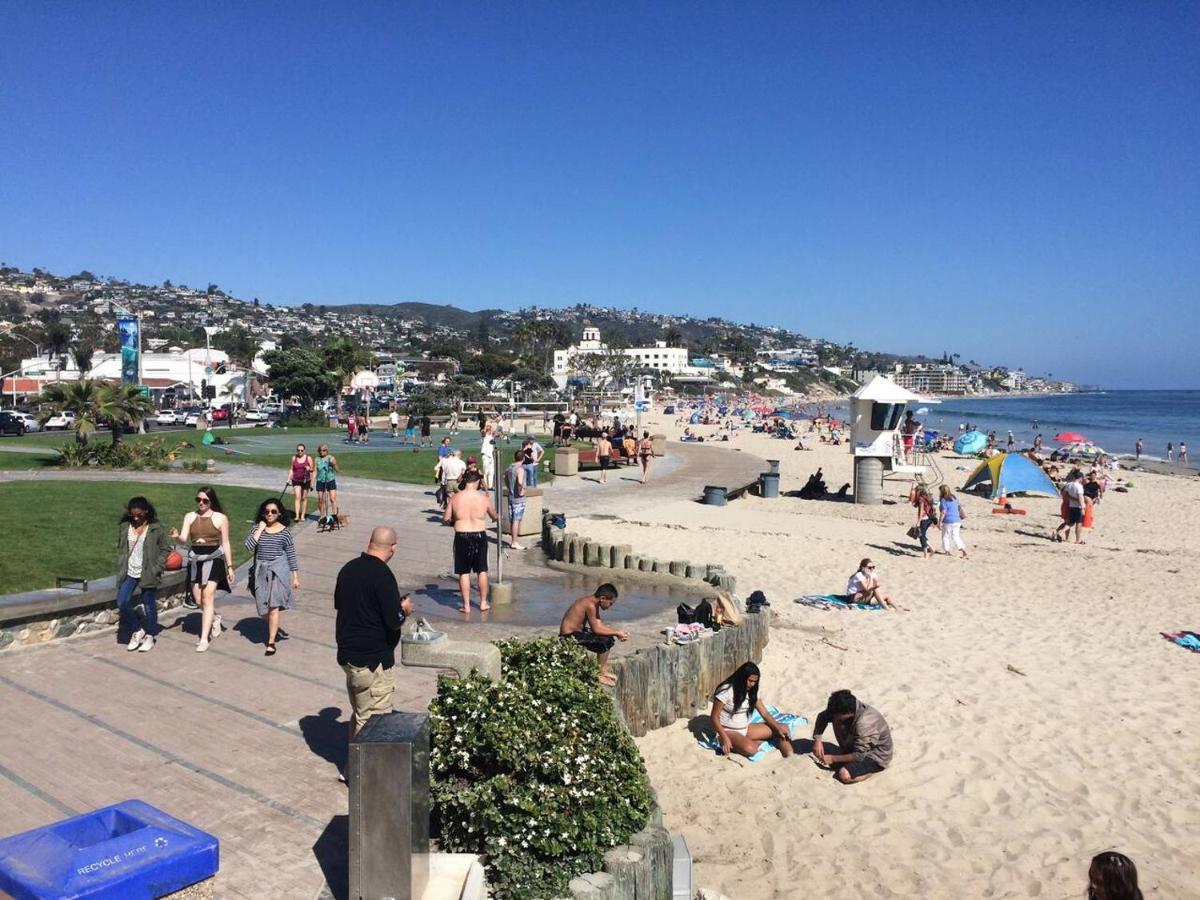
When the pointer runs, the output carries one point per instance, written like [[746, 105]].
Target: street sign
[[208, 371], [144, 390]]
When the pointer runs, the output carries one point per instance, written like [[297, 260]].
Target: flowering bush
[[536, 772]]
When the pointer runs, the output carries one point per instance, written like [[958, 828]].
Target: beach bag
[[559, 520], [685, 614], [728, 609], [707, 616], [913, 532]]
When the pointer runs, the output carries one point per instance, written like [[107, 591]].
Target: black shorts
[[589, 640], [470, 552], [1074, 516], [604, 461], [858, 769]]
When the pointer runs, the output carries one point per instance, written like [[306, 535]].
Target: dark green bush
[[536, 773]]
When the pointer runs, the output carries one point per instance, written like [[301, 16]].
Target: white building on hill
[[668, 359]]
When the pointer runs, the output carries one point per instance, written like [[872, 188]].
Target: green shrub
[[74, 455], [536, 773]]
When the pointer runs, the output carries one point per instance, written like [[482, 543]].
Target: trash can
[[774, 464], [131, 849], [768, 484], [660, 444], [566, 461], [389, 807], [715, 495]]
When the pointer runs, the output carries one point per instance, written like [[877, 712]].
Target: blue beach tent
[[971, 442], [1011, 473]]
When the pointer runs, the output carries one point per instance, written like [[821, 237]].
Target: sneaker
[[517, 547], [189, 603], [147, 644], [215, 631], [136, 640], [202, 646]]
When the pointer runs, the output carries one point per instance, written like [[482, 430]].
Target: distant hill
[[430, 313]]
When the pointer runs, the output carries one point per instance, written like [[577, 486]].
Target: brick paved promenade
[[245, 746]]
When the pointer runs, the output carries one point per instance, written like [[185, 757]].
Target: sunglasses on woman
[[203, 501], [270, 512]]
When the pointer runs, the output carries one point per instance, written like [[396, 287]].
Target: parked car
[[166, 417], [60, 422], [255, 415], [181, 415], [30, 420], [192, 417], [10, 423], [220, 414]]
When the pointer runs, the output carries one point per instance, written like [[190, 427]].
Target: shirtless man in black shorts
[[469, 510], [581, 623]]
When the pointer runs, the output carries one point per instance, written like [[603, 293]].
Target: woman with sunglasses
[[327, 469], [864, 587], [275, 573], [301, 472], [210, 561], [142, 550]]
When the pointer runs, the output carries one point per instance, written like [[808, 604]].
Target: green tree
[[489, 366], [84, 398], [242, 347], [82, 353], [58, 339], [300, 373], [121, 405], [343, 357]]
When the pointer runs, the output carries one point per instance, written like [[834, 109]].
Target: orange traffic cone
[[1003, 501]]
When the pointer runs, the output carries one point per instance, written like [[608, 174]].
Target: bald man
[[370, 613]]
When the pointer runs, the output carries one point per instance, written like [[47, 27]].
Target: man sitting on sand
[[582, 623], [864, 587], [863, 738]]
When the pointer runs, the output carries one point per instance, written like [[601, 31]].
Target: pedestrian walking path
[[247, 746]]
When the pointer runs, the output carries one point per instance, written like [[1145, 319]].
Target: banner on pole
[[129, 332]]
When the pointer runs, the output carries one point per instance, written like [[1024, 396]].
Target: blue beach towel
[[1189, 640], [832, 601], [791, 721]]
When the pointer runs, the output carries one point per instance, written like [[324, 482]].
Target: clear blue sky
[[1018, 183]]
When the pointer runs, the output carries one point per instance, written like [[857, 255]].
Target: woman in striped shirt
[[275, 572]]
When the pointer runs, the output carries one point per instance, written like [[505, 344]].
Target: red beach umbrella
[[1069, 437]]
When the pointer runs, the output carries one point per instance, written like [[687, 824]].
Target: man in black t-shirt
[[370, 614]]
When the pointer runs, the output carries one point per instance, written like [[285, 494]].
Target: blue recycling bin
[[715, 495], [128, 851]]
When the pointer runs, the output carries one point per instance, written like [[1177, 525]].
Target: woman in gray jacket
[[142, 549], [275, 572]]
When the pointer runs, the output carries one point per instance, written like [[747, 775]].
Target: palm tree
[[82, 397], [123, 404], [58, 338], [343, 358], [82, 354]]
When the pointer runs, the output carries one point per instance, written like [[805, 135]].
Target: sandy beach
[[1004, 782]]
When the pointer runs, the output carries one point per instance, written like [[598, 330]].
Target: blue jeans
[[149, 602], [531, 473]]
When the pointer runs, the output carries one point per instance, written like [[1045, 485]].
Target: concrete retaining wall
[[39, 616]]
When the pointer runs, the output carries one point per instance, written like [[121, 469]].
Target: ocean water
[[1112, 419]]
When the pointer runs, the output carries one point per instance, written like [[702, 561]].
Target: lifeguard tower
[[876, 443]]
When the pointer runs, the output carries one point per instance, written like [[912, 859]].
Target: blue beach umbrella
[[971, 442]]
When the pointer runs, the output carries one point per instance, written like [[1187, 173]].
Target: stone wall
[[41, 616], [656, 686]]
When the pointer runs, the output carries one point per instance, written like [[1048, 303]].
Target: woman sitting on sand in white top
[[734, 701], [864, 587]]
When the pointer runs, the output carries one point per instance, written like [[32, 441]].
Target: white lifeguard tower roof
[[884, 390]]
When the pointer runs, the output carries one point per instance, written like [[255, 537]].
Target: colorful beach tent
[[971, 442], [1011, 473]]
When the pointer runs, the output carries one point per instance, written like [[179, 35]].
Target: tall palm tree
[[82, 354], [343, 358]]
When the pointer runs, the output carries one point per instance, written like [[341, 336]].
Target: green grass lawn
[[70, 527], [400, 464]]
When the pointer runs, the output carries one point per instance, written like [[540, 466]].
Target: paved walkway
[[244, 746]]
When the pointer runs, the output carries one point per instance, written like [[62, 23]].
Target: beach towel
[[792, 721], [1189, 640], [832, 601]]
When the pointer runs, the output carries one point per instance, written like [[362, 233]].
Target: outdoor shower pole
[[499, 519]]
